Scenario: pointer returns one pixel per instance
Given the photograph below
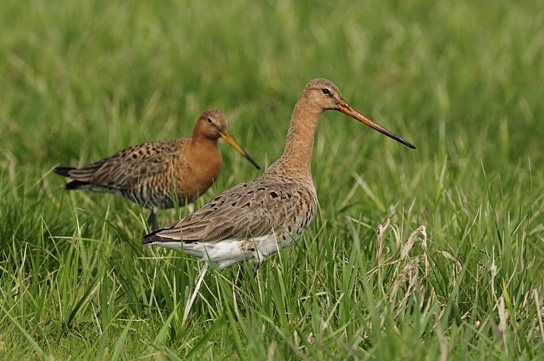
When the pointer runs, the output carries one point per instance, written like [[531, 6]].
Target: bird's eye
[[325, 91], [209, 120]]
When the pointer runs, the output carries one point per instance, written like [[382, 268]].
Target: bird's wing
[[130, 166], [254, 209]]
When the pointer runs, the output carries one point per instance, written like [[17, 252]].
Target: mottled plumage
[[257, 218], [254, 219], [157, 173]]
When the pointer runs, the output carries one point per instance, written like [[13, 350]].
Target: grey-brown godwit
[[257, 218], [157, 174]]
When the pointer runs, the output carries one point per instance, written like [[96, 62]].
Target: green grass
[[432, 254]]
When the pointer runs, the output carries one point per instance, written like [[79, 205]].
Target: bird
[[255, 219], [158, 175]]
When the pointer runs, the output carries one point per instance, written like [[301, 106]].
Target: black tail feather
[[75, 185], [64, 171], [151, 237]]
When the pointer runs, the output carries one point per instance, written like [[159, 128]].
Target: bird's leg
[[238, 284], [193, 296], [255, 269], [152, 221], [239, 281]]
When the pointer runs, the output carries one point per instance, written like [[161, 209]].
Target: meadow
[[428, 254]]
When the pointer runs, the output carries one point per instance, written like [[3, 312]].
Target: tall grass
[[429, 254]]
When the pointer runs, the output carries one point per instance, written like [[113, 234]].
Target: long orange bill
[[225, 135], [347, 109]]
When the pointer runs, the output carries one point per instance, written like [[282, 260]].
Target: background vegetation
[[429, 254]]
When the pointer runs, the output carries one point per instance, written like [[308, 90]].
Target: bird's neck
[[296, 161], [201, 141], [201, 145]]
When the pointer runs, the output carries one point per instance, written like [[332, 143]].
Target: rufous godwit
[[257, 218], [158, 174]]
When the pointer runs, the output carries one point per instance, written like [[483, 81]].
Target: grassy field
[[428, 254]]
